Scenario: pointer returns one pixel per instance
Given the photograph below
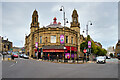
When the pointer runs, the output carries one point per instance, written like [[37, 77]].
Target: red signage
[[84, 50], [54, 50], [72, 48], [35, 50]]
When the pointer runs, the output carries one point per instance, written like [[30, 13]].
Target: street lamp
[[88, 23], [87, 26], [65, 21]]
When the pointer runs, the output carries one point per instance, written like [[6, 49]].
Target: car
[[25, 56], [0, 54], [118, 56], [108, 57], [15, 55], [21, 55], [101, 59]]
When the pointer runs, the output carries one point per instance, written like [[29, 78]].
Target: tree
[[96, 50], [111, 55]]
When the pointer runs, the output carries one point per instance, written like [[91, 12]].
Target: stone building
[[6, 45], [98, 44], [54, 39], [17, 49], [117, 49], [111, 50]]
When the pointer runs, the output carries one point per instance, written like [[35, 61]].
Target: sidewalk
[[61, 61], [6, 59]]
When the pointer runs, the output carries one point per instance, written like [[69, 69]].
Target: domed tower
[[35, 23], [75, 25]]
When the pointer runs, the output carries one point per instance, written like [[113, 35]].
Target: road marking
[[12, 65]]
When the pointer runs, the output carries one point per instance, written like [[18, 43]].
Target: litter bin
[[9, 57]]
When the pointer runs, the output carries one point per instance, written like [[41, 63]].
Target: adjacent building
[[17, 49], [54, 39], [6, 45], [117, 49], [111, 50], [98, 44]]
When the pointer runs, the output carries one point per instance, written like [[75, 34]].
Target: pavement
[[28, 68]]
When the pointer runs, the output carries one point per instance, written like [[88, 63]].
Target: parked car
[[108, 57], [118, 56], [15, 55], [21, 55], [0, 54], [25, 56], [100, 59]]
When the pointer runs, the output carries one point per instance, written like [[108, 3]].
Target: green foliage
[[96, 50], [111, 55]]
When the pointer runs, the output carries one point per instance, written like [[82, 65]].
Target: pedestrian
[[12, 57]]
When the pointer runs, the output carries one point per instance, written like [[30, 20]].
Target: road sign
[[84, 50]]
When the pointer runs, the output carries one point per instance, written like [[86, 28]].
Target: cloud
[[17, 18]]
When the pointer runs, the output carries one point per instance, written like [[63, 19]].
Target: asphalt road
[[24, 68]]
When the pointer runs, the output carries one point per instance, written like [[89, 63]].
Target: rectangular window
[[46, 39], [40, 39], [53, 39], [66, 39], [36, 39], [71, 40]]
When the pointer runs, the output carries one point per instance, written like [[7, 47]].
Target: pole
[[64, 34], [86, 56], [87, 36]]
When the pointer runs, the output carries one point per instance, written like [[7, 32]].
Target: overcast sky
[[17, 17]]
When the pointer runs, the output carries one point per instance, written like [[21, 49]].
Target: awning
[[72, 48]]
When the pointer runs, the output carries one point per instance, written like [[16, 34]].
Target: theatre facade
[[54, 40]]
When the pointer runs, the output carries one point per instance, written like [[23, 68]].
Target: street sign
[[89, 44], [84, 50]]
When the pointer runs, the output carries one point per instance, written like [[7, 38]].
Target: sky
[[17, 17]]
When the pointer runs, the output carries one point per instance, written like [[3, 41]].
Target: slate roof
[[54, 26]]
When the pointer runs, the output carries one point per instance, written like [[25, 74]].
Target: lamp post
[[65, 21], [88, 23]]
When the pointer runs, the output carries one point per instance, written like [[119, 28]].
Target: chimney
[[7, 39]]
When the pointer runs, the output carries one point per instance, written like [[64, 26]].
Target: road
[[25, 68]]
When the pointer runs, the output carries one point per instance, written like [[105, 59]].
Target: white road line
[[12, 65]]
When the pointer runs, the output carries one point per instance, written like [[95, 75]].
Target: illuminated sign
[[61, 39], [89, 44], [67, 55], [36, 44]]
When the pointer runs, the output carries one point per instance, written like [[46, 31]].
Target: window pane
[[66, 39], [53, 39], [72, 40], [40, 39]]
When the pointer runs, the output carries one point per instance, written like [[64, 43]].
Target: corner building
[[50, 40]]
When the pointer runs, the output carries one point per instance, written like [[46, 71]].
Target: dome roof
[[74, 12], [54, 26], [35, 12]]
